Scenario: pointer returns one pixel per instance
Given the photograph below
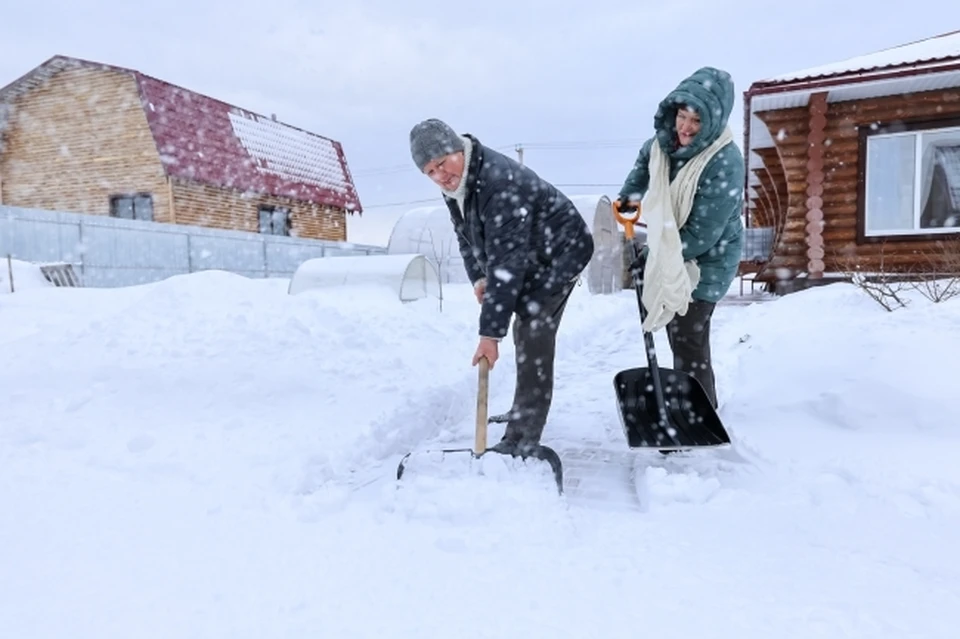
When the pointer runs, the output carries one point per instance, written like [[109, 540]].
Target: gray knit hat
[[432, 139]]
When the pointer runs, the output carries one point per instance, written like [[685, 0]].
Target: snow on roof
[[203, 139], [941, 48], [290, 153], [209, 141]]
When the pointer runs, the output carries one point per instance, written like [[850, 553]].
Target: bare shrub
[[883, 286], [940, 280]]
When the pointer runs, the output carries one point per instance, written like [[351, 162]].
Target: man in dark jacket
[[524, 245]]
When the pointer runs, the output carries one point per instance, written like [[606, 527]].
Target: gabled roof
[[203, 139], [927, 54], [932, 64]]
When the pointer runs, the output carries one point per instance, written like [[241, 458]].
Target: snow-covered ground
[[210, 457]]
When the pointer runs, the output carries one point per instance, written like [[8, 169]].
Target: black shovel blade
[[467, 456], [691, 421]]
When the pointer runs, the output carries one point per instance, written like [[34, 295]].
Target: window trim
[[902, 127]]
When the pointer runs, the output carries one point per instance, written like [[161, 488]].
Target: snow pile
[[26, 276], [210, 456], [837, 358], [323, 376]]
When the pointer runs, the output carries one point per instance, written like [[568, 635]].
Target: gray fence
[[110, 252]]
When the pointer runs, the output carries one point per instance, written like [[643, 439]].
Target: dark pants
[[689, 337], [535, 340]]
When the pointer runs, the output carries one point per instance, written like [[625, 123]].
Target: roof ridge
[[197, 139], [233, 106], [876, 61], [141, 74]]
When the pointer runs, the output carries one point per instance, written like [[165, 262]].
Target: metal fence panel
[[47, 237], [110, 252], [285, 257], [226, 253], [131, 247], [335, 251]]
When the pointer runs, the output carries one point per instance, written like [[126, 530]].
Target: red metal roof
[[209, 141]]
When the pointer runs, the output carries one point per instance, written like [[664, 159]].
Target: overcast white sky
[[574, 76]]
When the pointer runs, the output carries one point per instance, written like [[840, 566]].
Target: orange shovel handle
[[627, 222]]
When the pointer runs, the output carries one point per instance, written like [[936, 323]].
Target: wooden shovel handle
[[483, 389]]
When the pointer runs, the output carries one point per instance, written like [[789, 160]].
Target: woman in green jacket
[[691, 173]]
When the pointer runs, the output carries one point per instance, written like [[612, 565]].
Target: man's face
[[446, 171]]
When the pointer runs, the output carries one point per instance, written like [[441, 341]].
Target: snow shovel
[[544, 453], [662, 408]]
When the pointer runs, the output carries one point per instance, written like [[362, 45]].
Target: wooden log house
[[86, 137], [855, 166]]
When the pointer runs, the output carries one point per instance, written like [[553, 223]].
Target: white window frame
[[917, 134]]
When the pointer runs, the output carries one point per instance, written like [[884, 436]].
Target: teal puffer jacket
[[713, 234]]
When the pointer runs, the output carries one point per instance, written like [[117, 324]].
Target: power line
[[571, 186], [577, 146], [519, 147], [384, 205], [397, 168], [439, 200]]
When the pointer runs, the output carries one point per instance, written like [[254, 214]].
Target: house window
[[912, 182], [274, 220], [132, 207]]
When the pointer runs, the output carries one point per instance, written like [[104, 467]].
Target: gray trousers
[[535, 340], [689, 337]]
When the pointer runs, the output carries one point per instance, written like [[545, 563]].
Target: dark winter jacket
[[520, 233], [713, 234]]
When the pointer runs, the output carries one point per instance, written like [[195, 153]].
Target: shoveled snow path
[[707, 540], [584, 427]]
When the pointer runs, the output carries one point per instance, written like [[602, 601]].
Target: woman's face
[[688, 125]]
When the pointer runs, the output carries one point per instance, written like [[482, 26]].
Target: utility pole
[[519, 148]]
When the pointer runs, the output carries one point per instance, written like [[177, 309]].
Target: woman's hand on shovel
[[489, 348]]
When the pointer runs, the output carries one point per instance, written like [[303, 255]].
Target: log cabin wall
[[203, 205], [835, 213], [78, 139]]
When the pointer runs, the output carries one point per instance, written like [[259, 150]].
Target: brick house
[[93, 138]]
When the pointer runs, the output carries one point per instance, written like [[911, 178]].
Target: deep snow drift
[[210, 457]]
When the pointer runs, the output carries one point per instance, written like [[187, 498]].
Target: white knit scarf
[[668, 281]]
